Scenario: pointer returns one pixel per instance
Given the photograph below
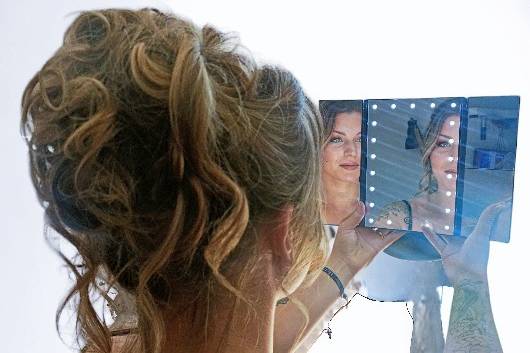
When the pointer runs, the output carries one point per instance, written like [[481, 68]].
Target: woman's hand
[[467, 260], [471, 325], [356, 246]]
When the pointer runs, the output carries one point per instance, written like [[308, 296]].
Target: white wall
[[339, 50]]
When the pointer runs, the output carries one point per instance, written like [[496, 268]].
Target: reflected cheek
[[438, 163], [329, 159]]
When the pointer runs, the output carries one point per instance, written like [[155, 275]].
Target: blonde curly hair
[[155, 147]]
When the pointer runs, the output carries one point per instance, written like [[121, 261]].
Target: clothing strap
[[408, 219]]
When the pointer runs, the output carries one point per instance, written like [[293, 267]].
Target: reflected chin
[[350, 176], [446, 184]]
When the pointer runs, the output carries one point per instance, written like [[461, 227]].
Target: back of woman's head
[[155, 147]]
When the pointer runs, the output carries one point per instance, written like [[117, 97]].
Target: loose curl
[[155, 147], [428, 183]]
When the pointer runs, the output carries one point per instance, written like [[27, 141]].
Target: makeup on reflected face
[[342, 149], [444, 155]]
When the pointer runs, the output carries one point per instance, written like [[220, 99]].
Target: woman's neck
[[232, 327], [338, 199]]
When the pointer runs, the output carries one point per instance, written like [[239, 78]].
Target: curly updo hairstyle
[[155, 147]]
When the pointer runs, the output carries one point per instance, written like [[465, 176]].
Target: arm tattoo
[[471, 326]]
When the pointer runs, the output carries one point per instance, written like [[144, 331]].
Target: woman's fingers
[[438, 242], [379, 239], [486, 220]]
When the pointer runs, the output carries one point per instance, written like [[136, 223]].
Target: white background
[[338, 50]]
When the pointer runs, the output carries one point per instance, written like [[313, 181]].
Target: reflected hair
[[329, 109], [155, 148], [427, 140]]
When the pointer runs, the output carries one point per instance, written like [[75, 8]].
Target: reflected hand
[[467, 260], [356, 246]]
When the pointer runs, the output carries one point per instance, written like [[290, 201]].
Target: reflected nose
[[349, 149], [453, 156], [454, 152]]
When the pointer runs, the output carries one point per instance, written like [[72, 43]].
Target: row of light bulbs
[[412, 106]]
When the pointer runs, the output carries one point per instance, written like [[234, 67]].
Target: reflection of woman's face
[[342, 150], [444, 156]]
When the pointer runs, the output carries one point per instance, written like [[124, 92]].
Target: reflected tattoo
[[471, 326], [397, 212]]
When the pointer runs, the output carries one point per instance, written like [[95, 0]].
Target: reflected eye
[[443, 144]]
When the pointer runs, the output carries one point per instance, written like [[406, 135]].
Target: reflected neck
[[338, 199], [441, 199]]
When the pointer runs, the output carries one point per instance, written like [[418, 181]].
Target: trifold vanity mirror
[[437, 162]]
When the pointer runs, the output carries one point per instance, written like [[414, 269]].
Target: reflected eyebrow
[[448, 137], [343, 134]]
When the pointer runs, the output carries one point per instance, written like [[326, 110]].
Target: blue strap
[[337, 281]]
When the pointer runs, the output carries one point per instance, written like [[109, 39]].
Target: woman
[[341, 156], [434, 204], [183, 170], [188, 175]]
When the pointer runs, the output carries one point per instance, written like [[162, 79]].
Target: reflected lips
[[349, 166], [451, 171]]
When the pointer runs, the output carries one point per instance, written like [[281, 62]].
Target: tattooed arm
[[471, 326], [427, 332]]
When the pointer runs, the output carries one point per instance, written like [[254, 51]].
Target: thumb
[[354, 218], [485, 222]]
